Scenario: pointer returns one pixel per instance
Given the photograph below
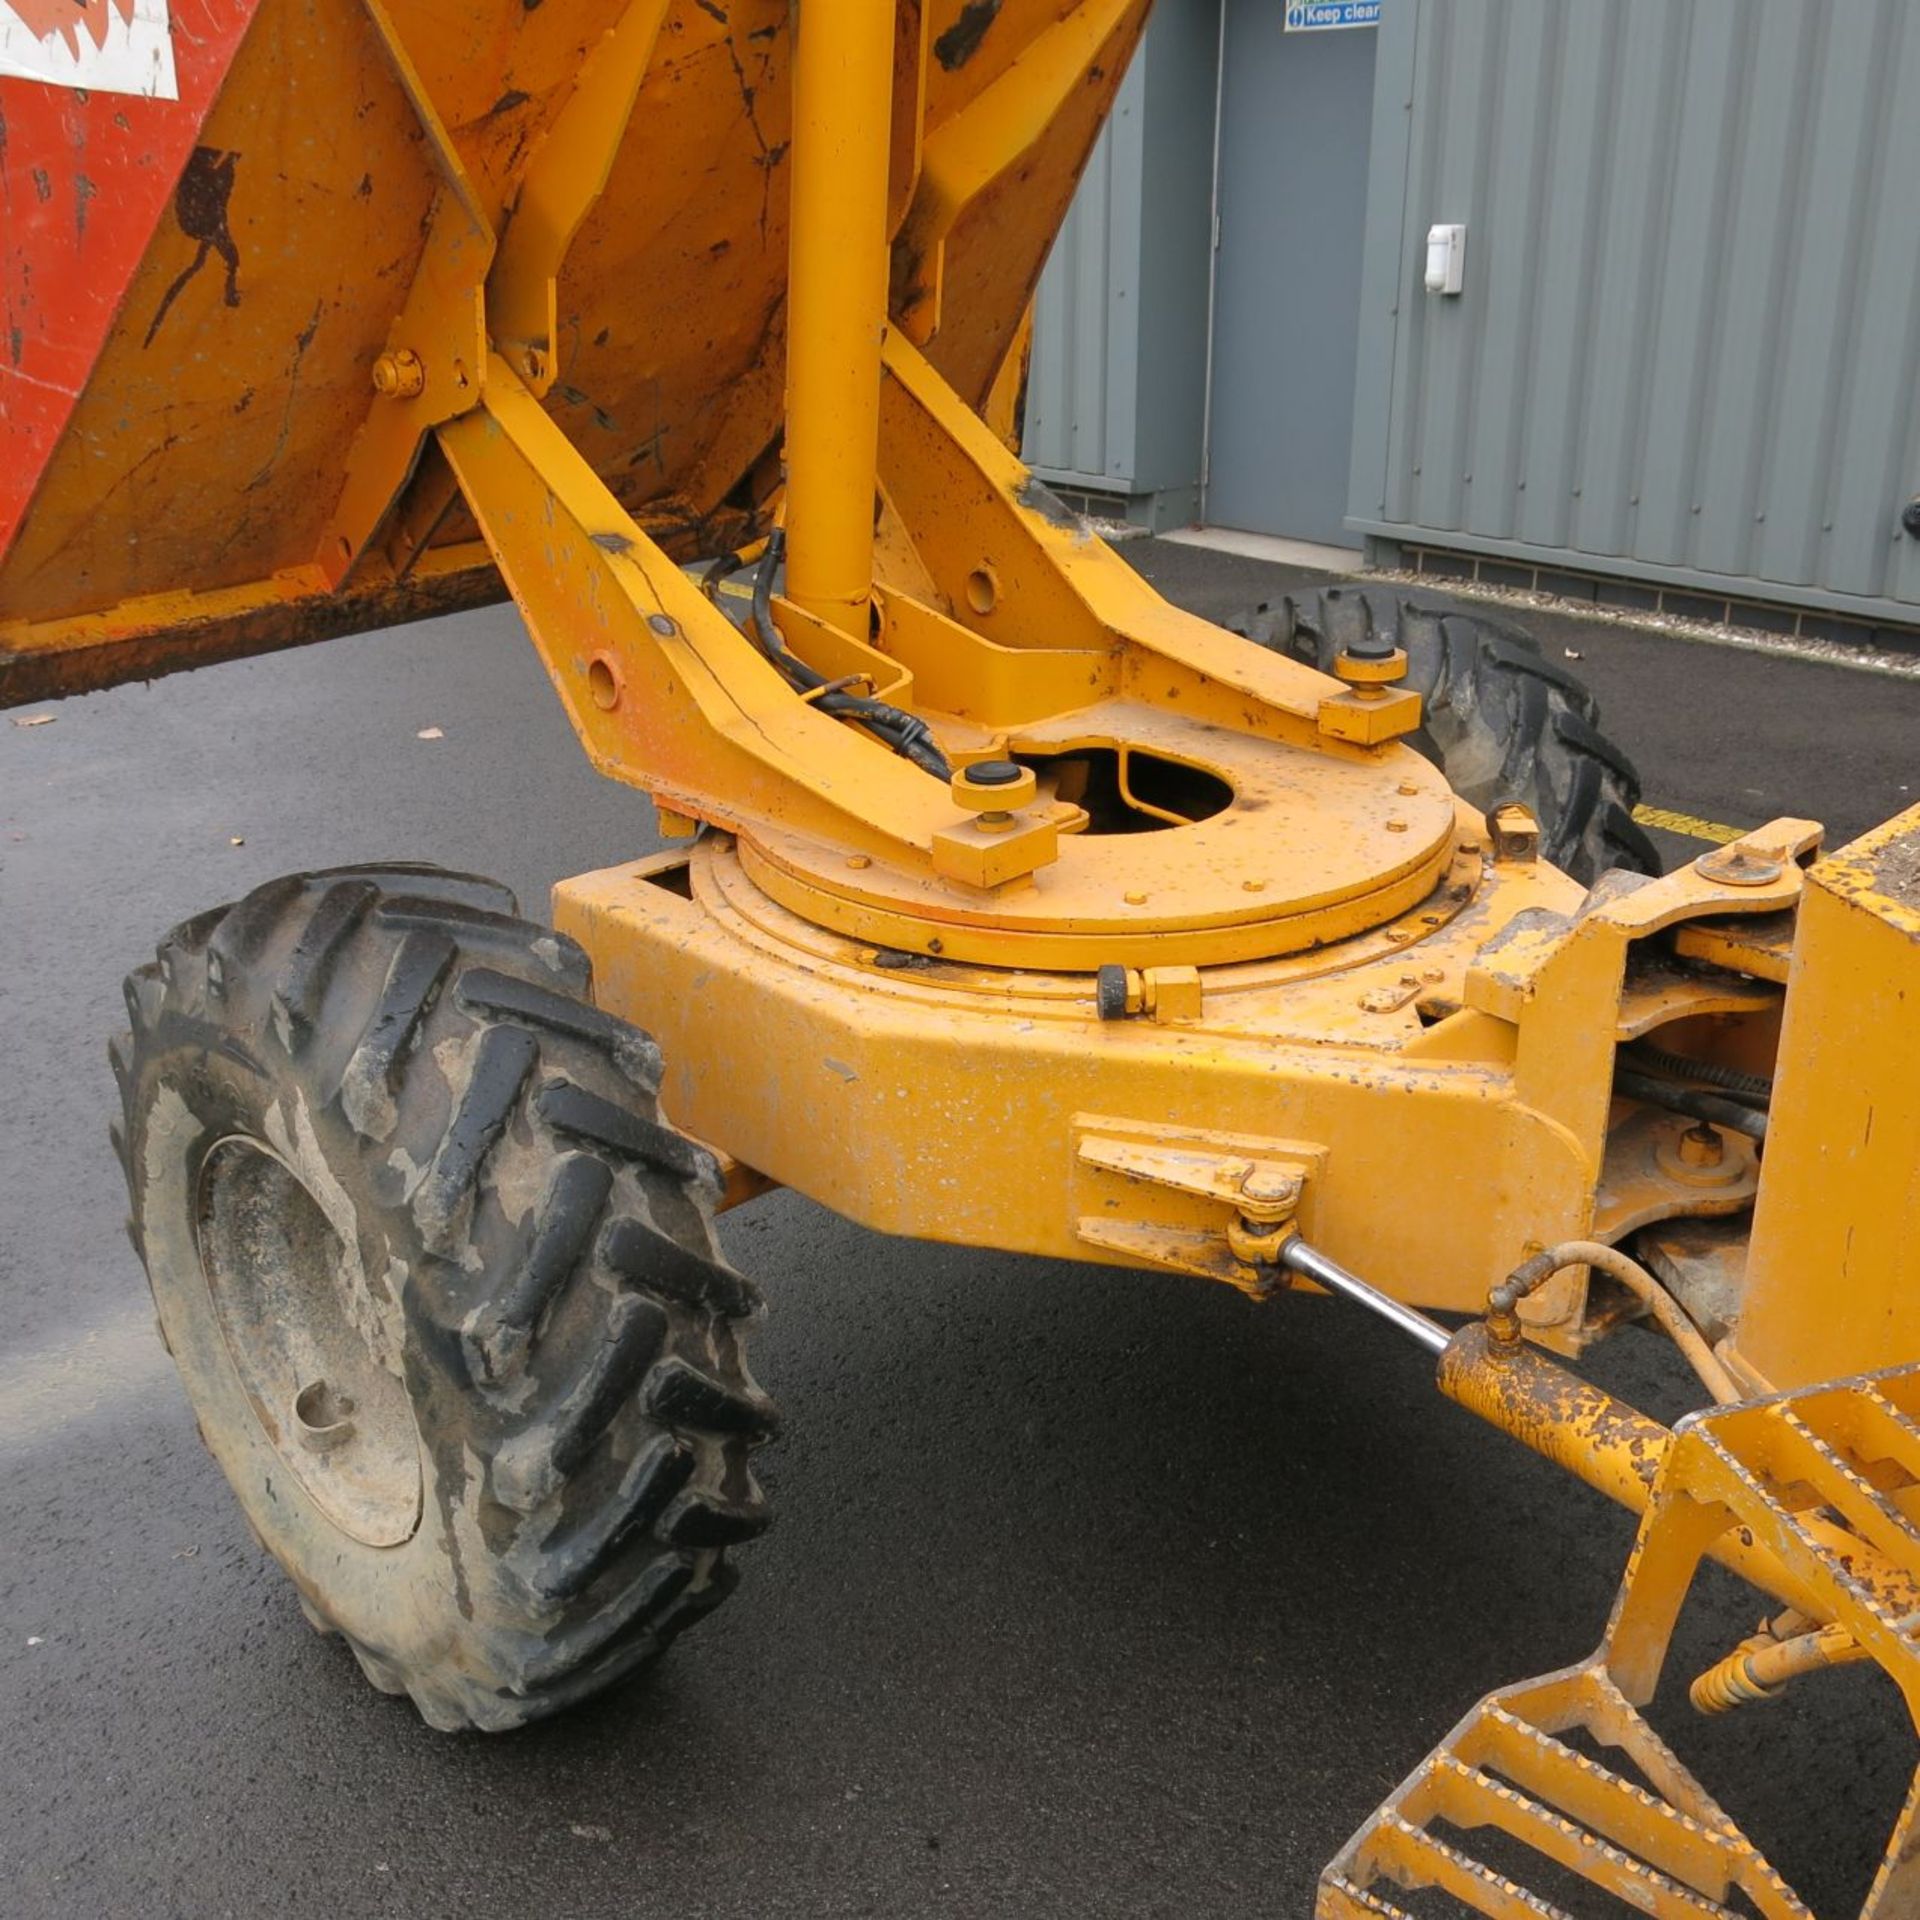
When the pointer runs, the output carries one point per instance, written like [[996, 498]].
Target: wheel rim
[[309, 1343]]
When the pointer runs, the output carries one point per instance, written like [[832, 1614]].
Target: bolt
[[1136, 899], [1701, 1146], [1736, 866], [399, 376], [1264, 1187]]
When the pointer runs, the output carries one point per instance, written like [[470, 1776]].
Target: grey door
[[1296, 116]]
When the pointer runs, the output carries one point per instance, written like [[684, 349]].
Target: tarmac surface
[[1091, 1594]]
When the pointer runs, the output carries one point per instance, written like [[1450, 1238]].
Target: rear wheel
[[443, 1289], [1499, 719]]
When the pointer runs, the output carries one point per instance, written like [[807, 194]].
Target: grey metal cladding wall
[[1690, 333], [1081, 380]]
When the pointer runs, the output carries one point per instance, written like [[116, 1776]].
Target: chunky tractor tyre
[[1501, 720], [444, 1291]]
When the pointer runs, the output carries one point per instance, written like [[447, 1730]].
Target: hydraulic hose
[[1694, 1102], [906, 733], [1530, 1275], [1754, 1088], [720, 571]]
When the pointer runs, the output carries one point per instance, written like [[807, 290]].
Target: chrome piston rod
[[1311, 1264]]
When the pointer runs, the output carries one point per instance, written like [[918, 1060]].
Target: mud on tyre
[[443, 1289], [1499, 719]]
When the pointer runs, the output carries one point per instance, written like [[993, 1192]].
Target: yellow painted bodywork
[[1833, 1283], [196, 504], [1441, 1083]]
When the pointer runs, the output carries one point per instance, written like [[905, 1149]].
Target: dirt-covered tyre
[[1501, 720], [444, 1291]]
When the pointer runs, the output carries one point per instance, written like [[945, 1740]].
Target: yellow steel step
[[1782, 1469]]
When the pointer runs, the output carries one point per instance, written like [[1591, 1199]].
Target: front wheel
[[442, 1288], [1498, 718]]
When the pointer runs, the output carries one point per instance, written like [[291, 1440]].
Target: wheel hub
[[289, 1299]]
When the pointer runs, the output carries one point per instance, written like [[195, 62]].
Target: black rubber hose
[[717, 574], [906, 733], [766, 631], [1754, 1088], [1694, 1103]]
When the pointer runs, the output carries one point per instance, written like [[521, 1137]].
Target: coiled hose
[[1754, 1088]]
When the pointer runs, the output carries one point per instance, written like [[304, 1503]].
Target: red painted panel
[[85, 176]]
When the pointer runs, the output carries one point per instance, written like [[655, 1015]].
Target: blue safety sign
[[1325, 16]]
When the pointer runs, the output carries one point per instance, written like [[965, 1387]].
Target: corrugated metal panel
[[1691, 326], [1083, 380]]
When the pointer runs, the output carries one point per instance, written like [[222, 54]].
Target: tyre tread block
[[422, 880], [420, 963], [309, 968], [656, 1588], [509, 997], [701, 1519], [681, 1395], [562, 1228], [250, 925], [638, 1251], [145, 993], [530, 1467], [570, 1108], [501, 1063], [458, 917], [648, 1486]]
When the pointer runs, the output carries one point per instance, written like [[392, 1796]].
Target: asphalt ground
[[1092, 1593]]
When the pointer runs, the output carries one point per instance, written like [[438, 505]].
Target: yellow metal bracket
[[1208, 1204], [984, 141], [660, 685], [566, 174], [435, 363], [1563, 979]]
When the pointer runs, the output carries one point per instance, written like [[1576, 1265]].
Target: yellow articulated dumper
[[1005, 904]]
